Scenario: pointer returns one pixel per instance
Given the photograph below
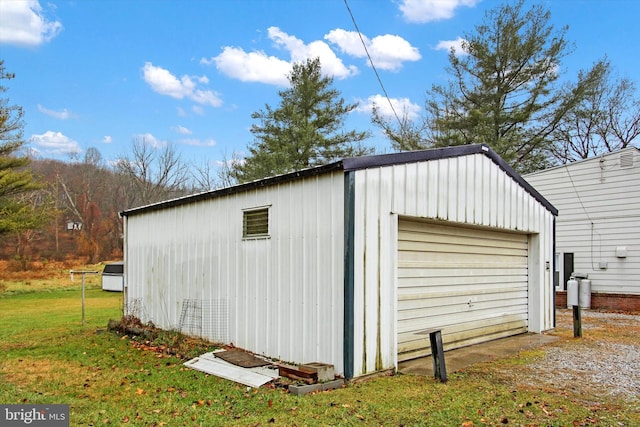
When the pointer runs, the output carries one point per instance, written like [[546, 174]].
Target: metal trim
[[553, 270], [349, 275]]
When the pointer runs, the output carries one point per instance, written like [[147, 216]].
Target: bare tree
[[207, 176], [608, 119], [93, 157], [153, 173]]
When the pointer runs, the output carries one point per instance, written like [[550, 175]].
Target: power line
[[593, 231], [371, 62]]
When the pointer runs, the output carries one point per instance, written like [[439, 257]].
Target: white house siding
[[281, 296], [598, 203], [470, 190]]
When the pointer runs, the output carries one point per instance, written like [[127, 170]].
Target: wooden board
[[241, 358]]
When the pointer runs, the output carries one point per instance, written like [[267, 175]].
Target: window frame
[[264, 226]]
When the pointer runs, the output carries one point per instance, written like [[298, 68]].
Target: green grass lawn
[[49, 357]]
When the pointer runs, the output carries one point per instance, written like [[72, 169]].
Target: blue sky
[[101, 73]]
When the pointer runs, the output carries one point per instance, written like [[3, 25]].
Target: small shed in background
[[346, 263], [113, 277]]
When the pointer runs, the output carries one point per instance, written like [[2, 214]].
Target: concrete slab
[[301, 390], [461, 358]]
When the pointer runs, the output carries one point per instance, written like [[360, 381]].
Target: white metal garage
[[350, 259], [471, 282]]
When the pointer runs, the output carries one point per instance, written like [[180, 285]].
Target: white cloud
[[198, 110], [251, 66], [257, 66], [56, 143], [449, 44], [300, 52], [181, 130], [387, 52], [198, 142], [421, 11], [403, 107], [107, 139], [150, 139], [23, 23], [165, 83], [62, 115]]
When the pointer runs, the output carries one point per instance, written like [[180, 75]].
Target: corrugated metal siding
[[599, 210], [471, 283], [281, 296], [470, 190], [467, 190]]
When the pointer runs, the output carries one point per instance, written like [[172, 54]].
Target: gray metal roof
[[352, 164]]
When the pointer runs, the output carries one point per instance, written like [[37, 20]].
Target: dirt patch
[[29, 370]]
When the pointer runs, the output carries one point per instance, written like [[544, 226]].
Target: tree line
[[506, 89]]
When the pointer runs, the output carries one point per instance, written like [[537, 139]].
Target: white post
[[82, 299], [72, 272]]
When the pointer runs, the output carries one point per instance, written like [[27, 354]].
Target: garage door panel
[[451, 321], [462, 331], [458, 283], [471, 283], [462, 255], [467, 246], [464, 237], [481, 274], [508, 297], [470, 280], [469, 332], [417, 227]]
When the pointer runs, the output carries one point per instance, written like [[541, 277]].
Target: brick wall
[[561, 299], [603, 301]]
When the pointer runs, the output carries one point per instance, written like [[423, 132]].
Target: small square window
[[255, 223]]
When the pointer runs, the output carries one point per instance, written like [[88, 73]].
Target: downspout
[[349, 227]]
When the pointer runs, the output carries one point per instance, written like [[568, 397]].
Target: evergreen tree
[[305, 130], [15, 179], [504, 89]]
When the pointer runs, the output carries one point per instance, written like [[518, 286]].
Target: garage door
[[470, 282]]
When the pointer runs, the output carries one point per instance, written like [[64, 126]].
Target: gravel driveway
[[603, 364]]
